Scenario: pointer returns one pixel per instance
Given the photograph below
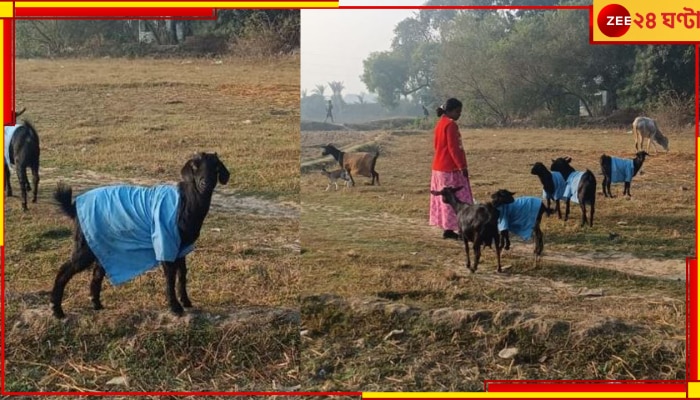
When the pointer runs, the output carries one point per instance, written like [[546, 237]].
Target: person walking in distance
[[449, 168], [329, 111]]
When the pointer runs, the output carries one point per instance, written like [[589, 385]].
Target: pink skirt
[[442, 214]]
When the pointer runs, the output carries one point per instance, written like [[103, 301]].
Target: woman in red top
[[449, 168]]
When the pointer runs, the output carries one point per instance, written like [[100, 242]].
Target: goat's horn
[[20, 112]]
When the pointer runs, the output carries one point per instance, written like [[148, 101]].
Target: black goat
[[521, 216], [620, 170], [170, 217], [355, 163], [553, 185], [22, 152], [580, 186], [478, 223]]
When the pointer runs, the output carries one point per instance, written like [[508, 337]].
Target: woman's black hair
[[450, 104]]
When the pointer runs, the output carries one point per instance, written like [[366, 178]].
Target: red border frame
[[503, 386]]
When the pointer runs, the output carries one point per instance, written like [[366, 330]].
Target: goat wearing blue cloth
[[620, 170], [580, 188], [21, 151], [128, 230], [521, 216], [553, 185]]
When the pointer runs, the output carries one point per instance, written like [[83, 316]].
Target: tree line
[[246, 32], [510, 65]]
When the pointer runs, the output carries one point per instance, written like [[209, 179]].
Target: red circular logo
[[614, 20]]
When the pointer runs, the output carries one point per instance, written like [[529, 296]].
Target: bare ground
[[389, 305]]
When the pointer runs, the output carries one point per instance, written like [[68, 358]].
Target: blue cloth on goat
[[520, 216], [572, 182], [622, 170], [131, 229], [559, 186], [9, 132]]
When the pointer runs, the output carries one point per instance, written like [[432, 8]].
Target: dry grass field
[[137, 121], [388, 305]]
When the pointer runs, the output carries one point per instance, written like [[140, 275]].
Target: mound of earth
[[321, 126]]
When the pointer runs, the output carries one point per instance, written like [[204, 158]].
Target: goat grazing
[[553, 185], [521, 216], [580, 187], [646, 128], [333, 177], [22, 152], [620, 170], [128, 230], [478, 223], [357, 163]]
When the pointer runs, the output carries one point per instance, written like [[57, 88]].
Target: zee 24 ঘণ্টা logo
[[683, 24]]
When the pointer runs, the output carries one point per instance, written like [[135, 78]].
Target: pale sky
[[335, 42]]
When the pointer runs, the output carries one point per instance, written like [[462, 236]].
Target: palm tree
[[320, 89]]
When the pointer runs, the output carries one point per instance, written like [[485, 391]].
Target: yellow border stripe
[[6, 9], [693, 389], [186, 4], [523, 395]]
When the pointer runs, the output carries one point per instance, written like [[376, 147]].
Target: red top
[[449, 153]]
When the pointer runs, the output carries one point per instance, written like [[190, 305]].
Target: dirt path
[[224, 199], [673, 269]]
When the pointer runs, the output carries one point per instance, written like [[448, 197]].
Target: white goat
[[646, 128]]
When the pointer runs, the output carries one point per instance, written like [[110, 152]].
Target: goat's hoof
[[179, 311], [186, 303], [97, 307], [33, 200], [58, 313]]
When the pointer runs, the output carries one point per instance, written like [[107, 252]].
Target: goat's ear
[[224, 175], [188, 171]]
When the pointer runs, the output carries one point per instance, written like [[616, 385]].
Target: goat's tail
[[64, 196]]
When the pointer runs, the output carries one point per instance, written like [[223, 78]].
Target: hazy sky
[[334, 42]]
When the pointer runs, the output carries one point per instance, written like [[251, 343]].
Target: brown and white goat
[[355, 163]]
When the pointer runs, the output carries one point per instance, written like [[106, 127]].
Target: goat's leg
[[466, 250], [583, 213], [498, 256], [558, 208], [182, 282], [626, 190], [477, 251], [170, 270], [590, 221], [81, 259], [8, 186], [98, 274], [352, 180], [566, 213], [539, 240], [505, 240], [375, 175], [23, 182], [328, 187], [35, 181]]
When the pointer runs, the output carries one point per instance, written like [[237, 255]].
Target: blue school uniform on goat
[[622, 170], [9, 132], [559, 186], [520, 216], [572, 182], [131, 229]]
